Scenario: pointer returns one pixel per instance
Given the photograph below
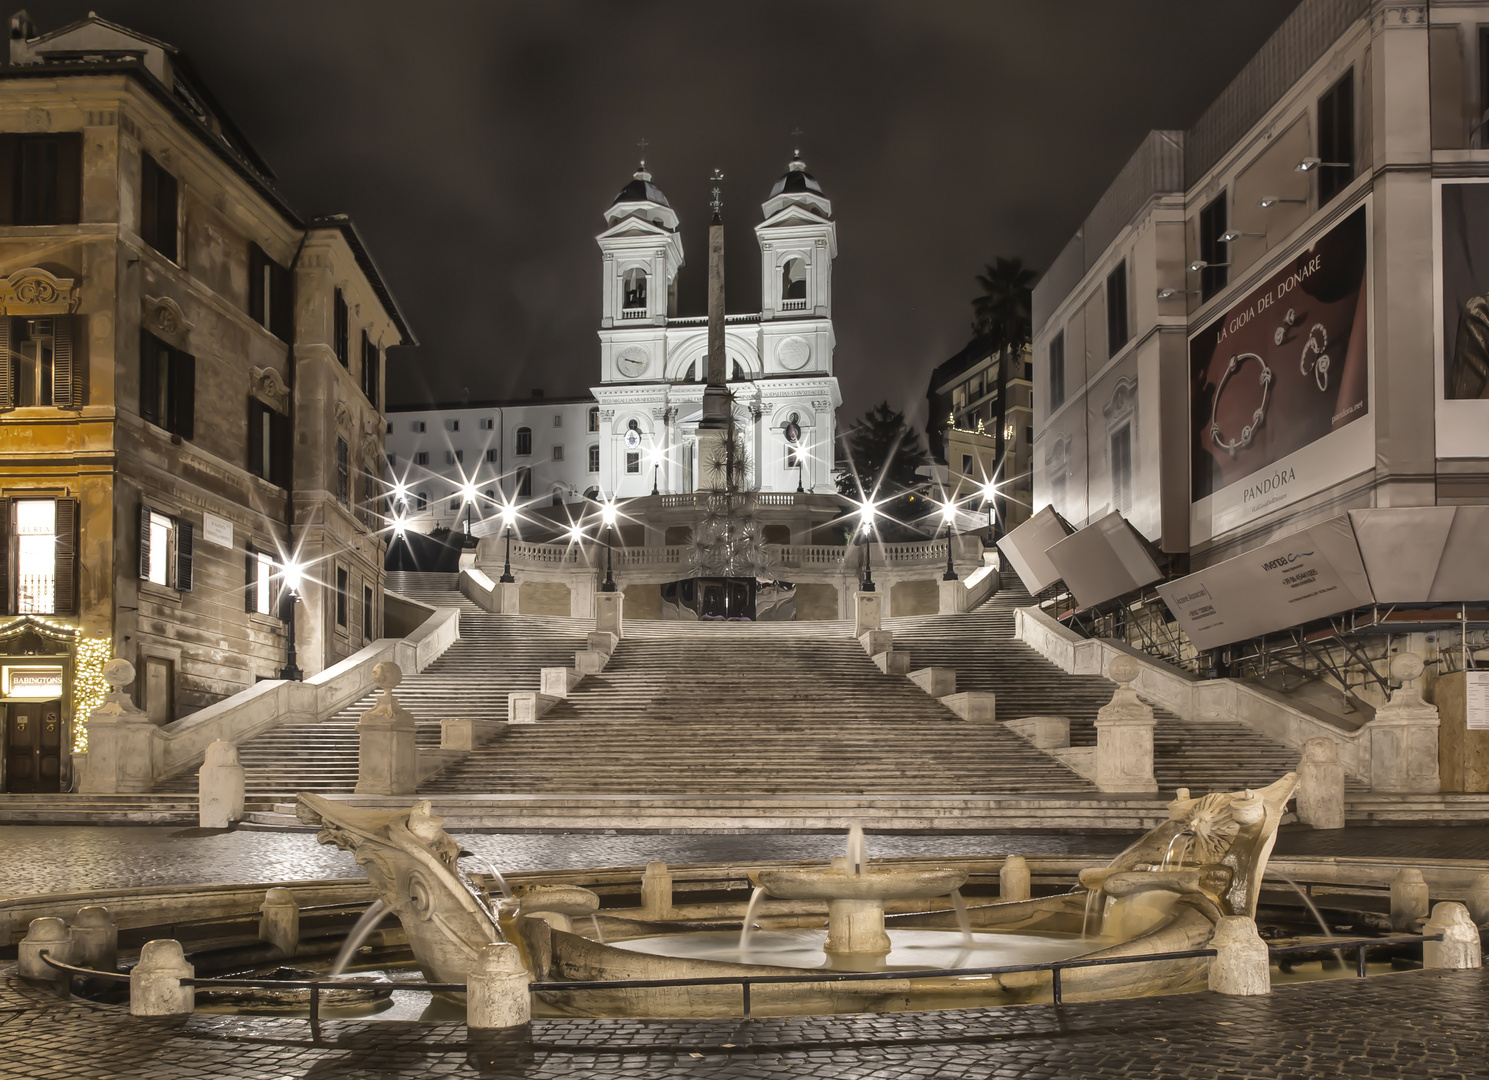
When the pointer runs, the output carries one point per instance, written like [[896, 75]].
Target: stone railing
[[762, 498], [591, 554]]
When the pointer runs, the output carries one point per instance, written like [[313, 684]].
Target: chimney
[[22, 29]]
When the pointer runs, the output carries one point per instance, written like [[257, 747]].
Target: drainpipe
[[291, 670]]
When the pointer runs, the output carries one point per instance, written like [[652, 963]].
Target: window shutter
[[183, 555], [282, 302], [7, 529], [65, 596], [9, 145], [149, 377], [279, 451], [69, 177], [251, 582], [183, 373], [256, 262], [149, 201], [256, 438], [65, 388], [7, 387], [144, 541]]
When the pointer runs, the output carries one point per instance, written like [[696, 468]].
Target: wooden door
[[33, 741]]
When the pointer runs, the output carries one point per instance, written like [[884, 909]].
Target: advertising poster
[[1284, 367], [1465, 290]]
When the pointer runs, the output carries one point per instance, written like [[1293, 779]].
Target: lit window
[[161, 530], [260, 573], [36, 556]]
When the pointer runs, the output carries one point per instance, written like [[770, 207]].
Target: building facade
[[190, 404], [982, 426]]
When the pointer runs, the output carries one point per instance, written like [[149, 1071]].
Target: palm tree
[[1003, 316]]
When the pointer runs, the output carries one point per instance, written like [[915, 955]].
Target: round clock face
[[632, 438], [631, 361], [793, 353]]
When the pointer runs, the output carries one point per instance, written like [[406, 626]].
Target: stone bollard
[[1478, 900], [95, 939], [279, 921], [1321, 785], [868, 613], [220, 787], [155, 984], [1459, 947], [656, 891], [610, 613], [1403, 734], [1241, 964], [1124, 735], [496, 989], [123, 743], [387, 759], [48, 936], [1408, 900], [1013, 879]]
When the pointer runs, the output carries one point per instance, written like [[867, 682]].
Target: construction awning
[[1025, 548], [1104, 560]]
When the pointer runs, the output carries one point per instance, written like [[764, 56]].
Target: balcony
[[793, 305], [634, 313]]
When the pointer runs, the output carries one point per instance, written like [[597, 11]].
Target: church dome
[[641, 189], [797, 181]]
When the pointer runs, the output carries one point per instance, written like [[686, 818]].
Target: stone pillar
[[155, 986], [1241, 964], [48, 936], [1408, 900], [868, 613], [1321, 785], [856, 926], [610, 613], [496, 989], [1460, 947], [1013, 879], [279, 921], [656, 891], [387, 759], [953, 598], [220, 787], [1478, 900], [95, 939], [122, 742], [1403, 735], [508, 597], [1124, 735]]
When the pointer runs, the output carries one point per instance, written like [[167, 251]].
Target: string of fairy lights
[[90, 654]]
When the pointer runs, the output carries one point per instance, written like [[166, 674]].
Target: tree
[[883, 454], [1003, 314]]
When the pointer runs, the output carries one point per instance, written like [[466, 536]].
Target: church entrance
[[33, 746]]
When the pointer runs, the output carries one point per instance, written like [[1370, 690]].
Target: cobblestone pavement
[[1406, 1025], [66, 858]]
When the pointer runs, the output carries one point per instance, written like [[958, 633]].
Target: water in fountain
[[857, 856], [1169, 861], [962, 921], [365, 926], [599, 936], [749, 919], [1318, 916], [501, 882], [1093, 901]]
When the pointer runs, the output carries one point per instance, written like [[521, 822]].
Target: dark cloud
[[478, 143]]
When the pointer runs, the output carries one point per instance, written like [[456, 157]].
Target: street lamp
[[469, 493], [656, 468], [509, 517], [866, 522], [948, 515], [798, 456], [990, 496], [288, 598], [607, 515]]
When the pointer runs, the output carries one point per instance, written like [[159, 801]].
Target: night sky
[[477, 145]]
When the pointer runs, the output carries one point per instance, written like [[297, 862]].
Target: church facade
[[780, 360]]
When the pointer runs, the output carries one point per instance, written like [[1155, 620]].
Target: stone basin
[[870, 885]]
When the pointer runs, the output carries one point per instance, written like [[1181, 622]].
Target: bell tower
[[642, 252], [798, 242]]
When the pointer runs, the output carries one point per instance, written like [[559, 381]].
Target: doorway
[[33, 741]]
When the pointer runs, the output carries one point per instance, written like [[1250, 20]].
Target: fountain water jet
[[375, 913]]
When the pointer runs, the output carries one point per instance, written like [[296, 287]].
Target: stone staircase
[[1201, 755]]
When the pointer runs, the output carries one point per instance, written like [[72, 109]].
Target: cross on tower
[[796, 134], [643, 144]]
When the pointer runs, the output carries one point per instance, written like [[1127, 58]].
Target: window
[[41, 370], [260, 589], [558, 453], [594, 459], [421, 457], [1116, 309], [558, 419], [594, 418], [1028, 436], [449, 457], [1212, 250], [44, 175], [368, 625], [269, 443], [421, 501], [372, 366], [452, 425], [525, 483], [165, 549], [390, 427], [419, 426], [341, 590], [455, 506], [493, 455], [1057, 371], [167, 386], [633, 463], [343, 471], [43, 533], [966, 464], [794, 280], [634, 285], [159, 200], [269, 299], [488, 423], [490, 495], [1122, 469], [524, 441], [1336, 138], [339, 328]]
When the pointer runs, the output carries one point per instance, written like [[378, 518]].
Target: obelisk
[[713, 425]]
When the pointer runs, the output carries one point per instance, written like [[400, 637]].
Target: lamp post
[[948, 515], [288, 599], [468, 492], [509, 516], [799, 489], [607, 514], [866, 522], [990, 496], [656, 469]]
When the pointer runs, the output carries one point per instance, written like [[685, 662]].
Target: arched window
[[594, 418], [692, 374], [738, 372], [634, 283], [524, 483], [594, 459], [524, 441], [794, 280]]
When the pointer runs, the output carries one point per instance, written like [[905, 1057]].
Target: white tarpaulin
[[1025, 549], [1309, 575], [1425, 554], [1105, 559]]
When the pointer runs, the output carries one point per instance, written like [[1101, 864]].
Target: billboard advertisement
[[1462, 332], [1280, 385]]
